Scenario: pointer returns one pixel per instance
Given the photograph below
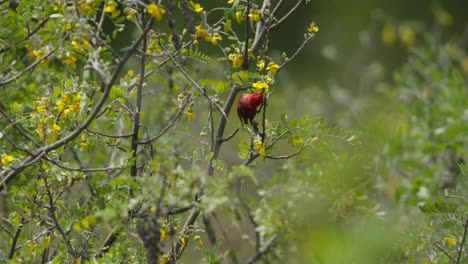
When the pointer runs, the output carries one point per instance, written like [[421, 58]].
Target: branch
[[460, 250], [246, 208], [43, 150], [287, 15], [52, 214], [169, 123], [195, 84], [263, 250], [15, 239], [31, 66], [286, 156], [136, 118]]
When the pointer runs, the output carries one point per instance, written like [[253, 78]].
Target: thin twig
[[52, 214], [31, 66], [136, 117], [15, 239], [288, 14], [231, 136], [263, 250], [460, 250]]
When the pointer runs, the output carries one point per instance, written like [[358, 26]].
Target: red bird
[[247, 106]]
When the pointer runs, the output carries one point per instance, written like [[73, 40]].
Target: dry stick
[[44, 150]]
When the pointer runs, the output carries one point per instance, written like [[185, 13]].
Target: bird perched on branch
[[247, 107]]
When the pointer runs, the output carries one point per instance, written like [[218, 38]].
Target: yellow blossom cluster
[[190, 114], [237, 58], [154, 47], [255, 15], [200, 32], [7, 159], [197, 8], [69, 103], [260, 147], [239, 16], [38, 55], [111, 7], [391, 33], [156, 11], [130, 13], [70, 60], [313, 28], [80, 45], [87, 8]]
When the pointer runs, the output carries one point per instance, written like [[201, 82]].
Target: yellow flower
[[56, 128], [46, 241], [198, 8], [67, 27], [260, 65], [156, 11], [239, 16], [32, 246], [297, 141], [199, 31], [163, 235], [260, 147], [40, 131], [76, 46], [200, 242], [388, 35], [6, 160], [236, 58], [71, 60], [450, 241], [216, 37], [84, 146], [60, 105], [272, 67], [111, 7], [183, 241], [313, 28], [261, 85], [407, 36], [40, 108], [164, 259], [233, 2], [190, 114], [465, 65], [255, 15], [130, 14], [85, 45]]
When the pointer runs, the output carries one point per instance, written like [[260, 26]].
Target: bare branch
[[263, 250]]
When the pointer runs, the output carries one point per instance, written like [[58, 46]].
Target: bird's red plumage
[[247, 106]]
